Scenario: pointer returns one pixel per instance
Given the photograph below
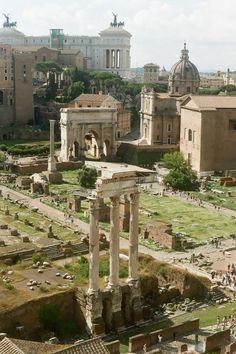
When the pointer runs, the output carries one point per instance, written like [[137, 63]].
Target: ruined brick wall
[[217, 340], [113, 347]]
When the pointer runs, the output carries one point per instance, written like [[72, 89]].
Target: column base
[[94, 319], [135, 299]]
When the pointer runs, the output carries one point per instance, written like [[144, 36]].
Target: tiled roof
[[204, 102], [8, 347], [91, 346], [30, 347]]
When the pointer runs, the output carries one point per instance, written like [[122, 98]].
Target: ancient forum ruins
[[118, 304]]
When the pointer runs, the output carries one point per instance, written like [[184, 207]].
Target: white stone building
[[110, 51]]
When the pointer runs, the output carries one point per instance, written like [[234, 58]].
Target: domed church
[[184, 76]]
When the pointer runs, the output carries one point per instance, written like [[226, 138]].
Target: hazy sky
[[158, 27]]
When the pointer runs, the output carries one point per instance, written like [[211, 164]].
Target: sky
[[158, 27]]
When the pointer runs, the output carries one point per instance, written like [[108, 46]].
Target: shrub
[[37, 257]]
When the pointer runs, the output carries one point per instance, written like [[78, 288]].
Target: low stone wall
[[113, 347], [136, 343], [217, 340], [43, 166]]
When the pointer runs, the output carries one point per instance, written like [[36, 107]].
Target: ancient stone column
[[51, 160], [133, 237], [93, 246], [114, 242]]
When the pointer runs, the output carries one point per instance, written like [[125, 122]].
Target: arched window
[[1, 97], [190, 135]]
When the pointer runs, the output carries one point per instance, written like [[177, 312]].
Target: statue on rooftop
[[115, 23], [7, 23]]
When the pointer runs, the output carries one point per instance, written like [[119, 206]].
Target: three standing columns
[[114, 242]]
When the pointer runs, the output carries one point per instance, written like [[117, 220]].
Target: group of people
[[227, 278], [227, 322]]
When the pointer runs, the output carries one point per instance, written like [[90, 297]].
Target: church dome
[[184, 76]]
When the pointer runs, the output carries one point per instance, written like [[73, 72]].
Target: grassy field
[[199, 223], [207, 317]]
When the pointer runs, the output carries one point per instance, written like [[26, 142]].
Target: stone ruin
[[160, 232], [117, 305]]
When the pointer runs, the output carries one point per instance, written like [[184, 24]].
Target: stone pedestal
[[94, 312], [135, 301], [117, 318], [53, 177]]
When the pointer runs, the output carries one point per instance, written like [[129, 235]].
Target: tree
[[87, 177], [181, 175], [74, 90]]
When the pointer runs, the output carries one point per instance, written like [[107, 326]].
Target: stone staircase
[[218, 296]]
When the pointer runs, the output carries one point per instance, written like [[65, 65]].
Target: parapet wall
[[217, 340], [136, 343], [43, 166]]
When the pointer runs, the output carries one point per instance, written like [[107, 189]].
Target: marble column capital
[[115, 201]]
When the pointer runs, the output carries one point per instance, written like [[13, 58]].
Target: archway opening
[[91, 147], [106, 147], [76, 149]]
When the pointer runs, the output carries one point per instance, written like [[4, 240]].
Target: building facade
[[160, 113], [110, 51], [16, 91], [208, 133], [151, 73]]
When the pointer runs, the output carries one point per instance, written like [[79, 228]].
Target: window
[[5, 78], [185, 133], [232, 124], [169, 139], [169, 127], [107, 58], [188, 89], [1, 97], [176, 89], [190, 135]]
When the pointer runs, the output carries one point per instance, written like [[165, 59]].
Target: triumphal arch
[[90, 129], [118, 304]]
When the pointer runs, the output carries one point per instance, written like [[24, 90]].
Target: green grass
[[207, 317], [199, 223]]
